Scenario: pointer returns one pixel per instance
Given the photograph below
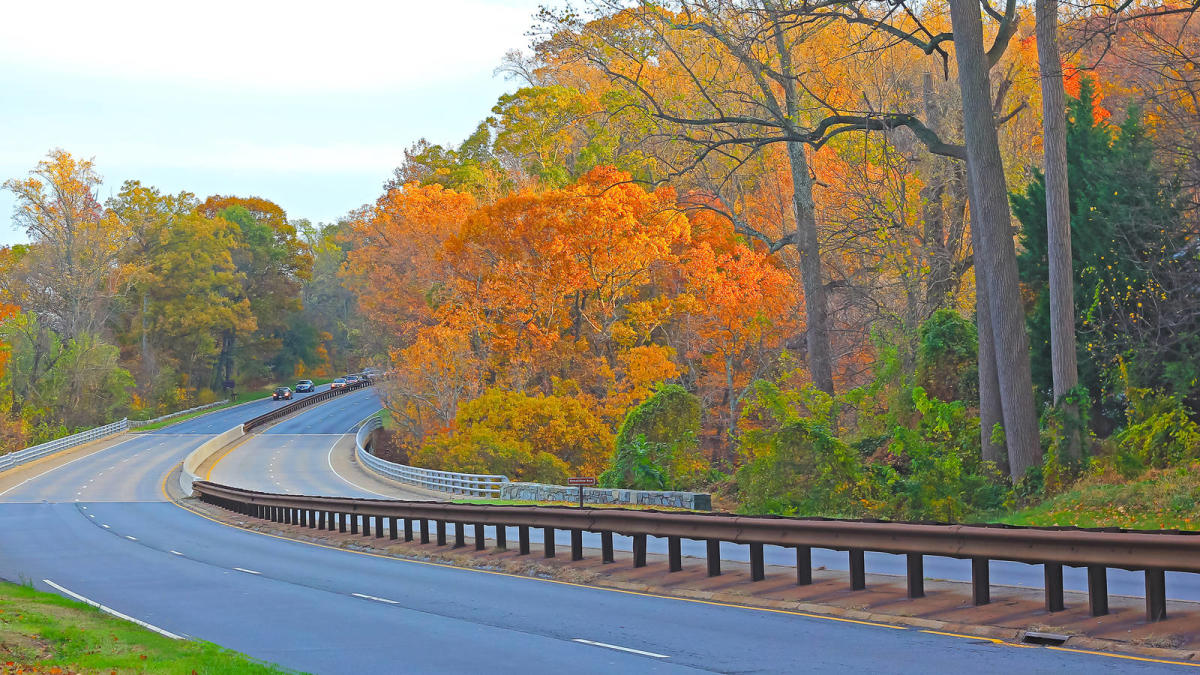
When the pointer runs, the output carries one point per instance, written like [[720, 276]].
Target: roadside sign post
[[581, 481]]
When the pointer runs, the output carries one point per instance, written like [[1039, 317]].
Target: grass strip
[[46, 633], [244, 397]]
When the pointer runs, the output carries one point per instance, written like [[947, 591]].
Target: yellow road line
[[980, 637], [1127, 657], [235, 446]]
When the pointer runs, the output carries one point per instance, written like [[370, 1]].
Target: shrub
[[1160, 433], [661, 432]]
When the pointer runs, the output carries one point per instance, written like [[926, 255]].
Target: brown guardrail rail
[[285, 410], [1097, 550]]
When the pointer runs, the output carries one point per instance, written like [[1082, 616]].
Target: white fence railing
[[29, 454], [474, 484], [134, 424]]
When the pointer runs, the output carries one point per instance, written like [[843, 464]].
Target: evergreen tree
[[1125, 233]]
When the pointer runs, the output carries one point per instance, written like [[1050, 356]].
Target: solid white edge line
[[112, 611], [375, 598], [329, 458], [242, 569], [620, 648]]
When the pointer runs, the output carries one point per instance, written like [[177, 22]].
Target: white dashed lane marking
[[240, 569]]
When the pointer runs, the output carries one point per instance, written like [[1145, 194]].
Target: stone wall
[[541, 492]]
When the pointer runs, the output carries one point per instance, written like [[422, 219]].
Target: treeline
[[150, 302], [732, 245]]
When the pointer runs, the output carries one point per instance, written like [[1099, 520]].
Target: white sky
[[307, 104]]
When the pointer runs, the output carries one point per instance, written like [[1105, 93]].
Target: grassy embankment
[[1164, 499], [243, 397], [45, 633]]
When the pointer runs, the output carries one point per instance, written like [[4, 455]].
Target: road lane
[[157, 562]]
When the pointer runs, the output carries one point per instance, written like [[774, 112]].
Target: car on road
[[304, 386], [338, 383], [282, 394], [353, 379]]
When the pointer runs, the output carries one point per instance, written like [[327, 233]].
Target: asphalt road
[[331, 611]]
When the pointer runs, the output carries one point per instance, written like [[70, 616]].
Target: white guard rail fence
[[473, 484], [134, 424], [29, 454]]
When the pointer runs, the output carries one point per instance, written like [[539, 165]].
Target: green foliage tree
[[658, 444], [1131, 259]]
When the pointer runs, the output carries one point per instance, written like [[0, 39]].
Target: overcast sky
[[309, 105]]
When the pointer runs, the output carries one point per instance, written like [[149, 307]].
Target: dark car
[[304, 385], [282, 394], [353, 379]]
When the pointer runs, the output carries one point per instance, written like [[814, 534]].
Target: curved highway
[[102, 528], [312, 456]]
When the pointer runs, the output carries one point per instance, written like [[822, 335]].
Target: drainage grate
[[1035, 638]]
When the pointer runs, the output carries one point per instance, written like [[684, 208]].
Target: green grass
[[243, 397], [42, 632], [1165, 499]]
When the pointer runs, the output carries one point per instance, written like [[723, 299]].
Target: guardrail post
[[981, 581], [674, 555], [1054, 586], [502, 537], [803, 565], [1098, 589], [713, 547], [392, 533], [480, 539], [576, 544], [408, 530], [639, 550], [548, 541], [459, 536], [606, 547], [916, 575], [1156, 595], [858, 569], [523, 539], [758, 568], [441, 532]]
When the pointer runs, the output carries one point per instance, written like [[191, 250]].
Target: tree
[[1058, 248], [996, 263], [70, 274], [273, 263]]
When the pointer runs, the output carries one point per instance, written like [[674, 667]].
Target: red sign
[[581, 480]]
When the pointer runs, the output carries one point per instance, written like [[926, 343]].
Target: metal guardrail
[[134, 424], [29, 454], [1095, 550], [285, 410], [474, 484]]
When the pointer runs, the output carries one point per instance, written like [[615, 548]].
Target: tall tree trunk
[[1058, 215], [939, 281], [816, 306], [996, 259], [990, 411]]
